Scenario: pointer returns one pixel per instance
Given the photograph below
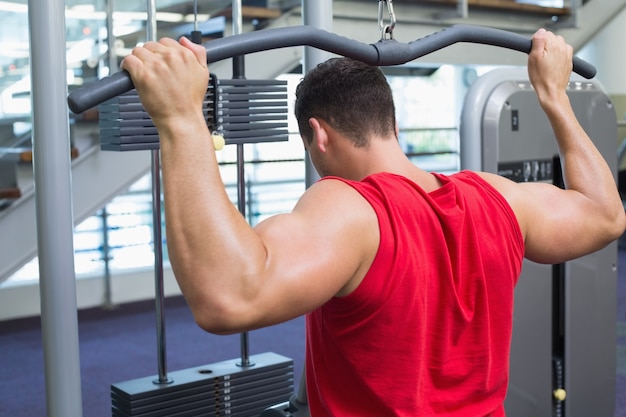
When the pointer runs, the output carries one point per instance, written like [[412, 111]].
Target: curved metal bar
[[382, 53]]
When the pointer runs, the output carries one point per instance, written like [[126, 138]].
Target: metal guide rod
[[159, 298], [158, 270], [237, 17], [112, 61], [196, 34], [107, 302], [239, 72], [151, 23], [241, 204], [382, 53]]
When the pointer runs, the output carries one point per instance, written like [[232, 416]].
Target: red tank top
[[428, 331]]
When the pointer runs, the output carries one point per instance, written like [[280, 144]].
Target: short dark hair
[[351, 96]]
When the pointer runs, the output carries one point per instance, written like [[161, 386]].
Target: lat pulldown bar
[[383, 53]]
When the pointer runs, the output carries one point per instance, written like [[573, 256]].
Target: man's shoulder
[[335, 193]]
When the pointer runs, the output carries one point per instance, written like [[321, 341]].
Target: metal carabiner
[[386, 29]]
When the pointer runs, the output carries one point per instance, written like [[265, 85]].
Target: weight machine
[[563, 353]]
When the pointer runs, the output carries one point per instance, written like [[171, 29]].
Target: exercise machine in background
[[563, 354]]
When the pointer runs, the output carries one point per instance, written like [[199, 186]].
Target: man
[[406, 276]]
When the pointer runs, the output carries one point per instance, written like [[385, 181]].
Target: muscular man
[[406, 276]]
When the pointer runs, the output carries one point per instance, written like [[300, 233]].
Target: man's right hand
[[171, 78]]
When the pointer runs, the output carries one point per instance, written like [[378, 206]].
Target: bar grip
[[487, 36], [99, 91], [382, 53]]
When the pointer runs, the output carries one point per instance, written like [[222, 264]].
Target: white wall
[[19, 301], [606, 51]]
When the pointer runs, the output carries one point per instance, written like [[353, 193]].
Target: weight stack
[[251, 111], [221, 389], [242, 111]]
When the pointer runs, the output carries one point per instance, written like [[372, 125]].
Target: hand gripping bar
[[382, 53]]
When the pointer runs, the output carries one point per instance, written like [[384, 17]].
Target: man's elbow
[[218, 320], [217, 328], [610, 226], [618, 225]]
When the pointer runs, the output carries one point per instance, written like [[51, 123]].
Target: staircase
[[96, 178]]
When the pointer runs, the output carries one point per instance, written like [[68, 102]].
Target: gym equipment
[[563, 357], [385, 52], [297, 406], [239, 110], [223, 388]]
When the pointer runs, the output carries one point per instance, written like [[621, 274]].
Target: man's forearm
[[584, 168]]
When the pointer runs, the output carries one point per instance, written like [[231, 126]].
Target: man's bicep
[[559, 224]]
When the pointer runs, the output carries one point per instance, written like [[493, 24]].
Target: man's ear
[[320, 134]]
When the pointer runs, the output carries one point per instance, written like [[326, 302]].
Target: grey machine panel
[[569, 320]]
